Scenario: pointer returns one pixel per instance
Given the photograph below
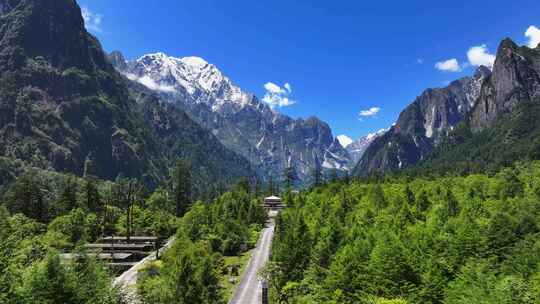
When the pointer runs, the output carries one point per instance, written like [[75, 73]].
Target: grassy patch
[[229, 261]]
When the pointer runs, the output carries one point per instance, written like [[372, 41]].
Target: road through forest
[[249, 290]]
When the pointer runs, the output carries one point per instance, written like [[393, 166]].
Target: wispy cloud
[[371, 112], [449, 65], [92, 21], [150, 83], [277, 96], [479, 55], [533, 34], [288, 87]]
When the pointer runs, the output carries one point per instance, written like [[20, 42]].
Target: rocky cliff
[[422, 125], [515, 77]]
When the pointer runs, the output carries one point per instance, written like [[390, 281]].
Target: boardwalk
[[249, 290]]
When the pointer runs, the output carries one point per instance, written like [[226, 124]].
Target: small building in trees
[[273, 203]]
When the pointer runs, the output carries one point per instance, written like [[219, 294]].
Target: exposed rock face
[[515, 77], [64, 107], [422, 125], [6, 6], [269, 140], [357, 148], [117, 59]]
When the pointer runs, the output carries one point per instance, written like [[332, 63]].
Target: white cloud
[[420, 61], [479, 55], [277, 96], [279, 101], [150, 83], [344, 140], [450, 65], [92, 21], [533, 33], [371, 112], [273, 88], [288, 87]]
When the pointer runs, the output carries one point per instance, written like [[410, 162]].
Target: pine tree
[[92, 198], [452, 204], [127, 192], [289, 175], [181, 187], [26, 197], [67, 200], [409, 195]]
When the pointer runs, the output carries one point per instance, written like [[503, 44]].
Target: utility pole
[[264, 292]]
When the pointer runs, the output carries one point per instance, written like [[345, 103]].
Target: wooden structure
[[119, 253], [136, 249], [133, 239], [273, 203]]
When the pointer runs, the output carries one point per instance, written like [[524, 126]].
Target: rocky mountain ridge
[[515, 77], [269, 140], [502, 129], [421, 126], [357, 148]]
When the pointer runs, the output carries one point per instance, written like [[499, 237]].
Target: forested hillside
[[471, 239], [45, 214]]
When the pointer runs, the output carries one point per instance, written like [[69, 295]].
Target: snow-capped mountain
[[344, 140], [357, 148], [243, 123], [192, 77]]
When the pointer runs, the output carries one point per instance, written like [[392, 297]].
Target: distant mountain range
[[269, 140], [358, 147], [66, 106]]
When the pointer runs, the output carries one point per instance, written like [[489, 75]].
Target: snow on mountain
[[344, 140], [270, 140], [191, 77], [357, 148]]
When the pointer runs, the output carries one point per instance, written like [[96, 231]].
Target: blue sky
[[341, 58]]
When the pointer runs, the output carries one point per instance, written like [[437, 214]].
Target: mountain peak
[[506, 48], [116, 58], [192, 77], [357, 148], [482, 72], [270, 140], [194, 61], [153, 56], [344, 140], [507, 42]]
